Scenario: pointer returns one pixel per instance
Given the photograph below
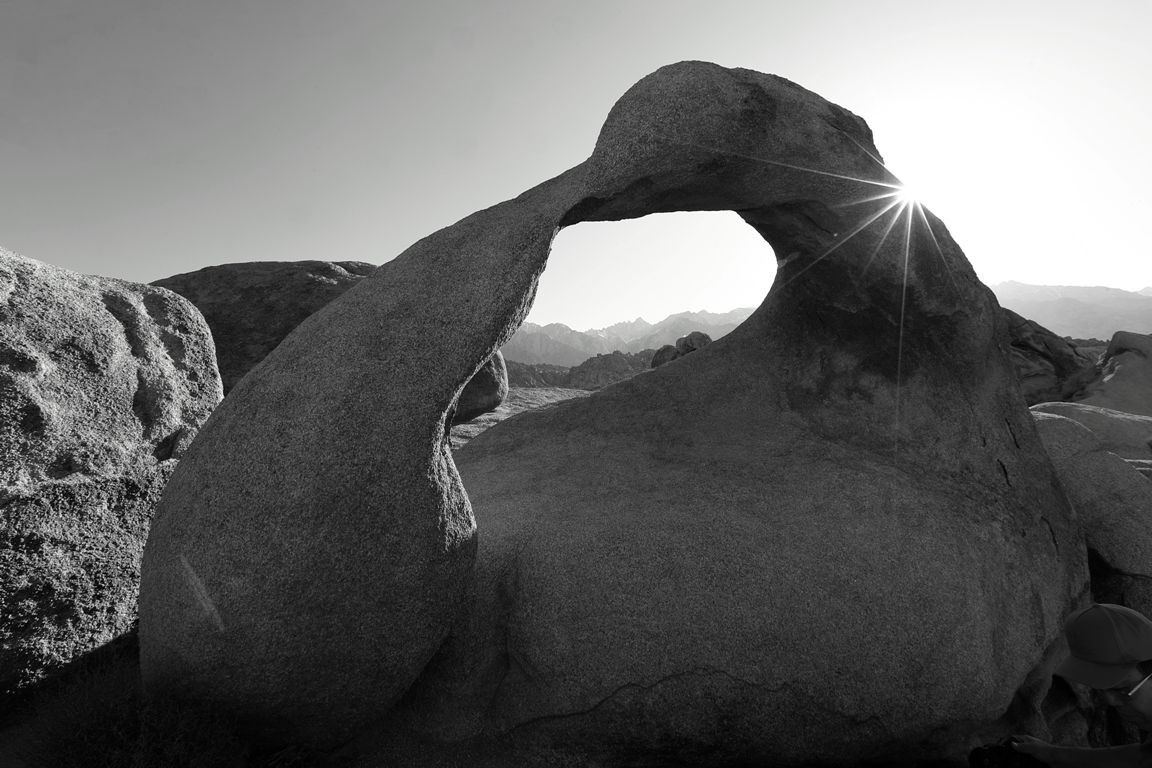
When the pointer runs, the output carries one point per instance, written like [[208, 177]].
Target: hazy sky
[[142, 138]]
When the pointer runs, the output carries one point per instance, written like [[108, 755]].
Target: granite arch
[[319, 525]]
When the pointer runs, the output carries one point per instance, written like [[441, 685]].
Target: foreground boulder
[[1114, 504], [252, 306], [832, 535], [1124, 377], [103, 384], [1049, 367]]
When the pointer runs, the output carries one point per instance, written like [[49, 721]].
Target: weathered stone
[[832, 534], [103, 384], [1126, 434], [1124, 379], [1114, 504], [1048, 367]]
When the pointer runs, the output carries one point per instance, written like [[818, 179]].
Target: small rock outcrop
[[600, 371], [877, 552], [251, 306], [1123, 380], [1049, 367], [1114, 504], [683, 346], [103, 384], [536, 374]]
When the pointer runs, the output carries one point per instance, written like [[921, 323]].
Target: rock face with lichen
[[252, 306], [103, 384], [833, 535]]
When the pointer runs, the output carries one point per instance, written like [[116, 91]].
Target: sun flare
[[906, 194]]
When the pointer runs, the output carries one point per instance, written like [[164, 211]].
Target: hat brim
[[1094, 675]]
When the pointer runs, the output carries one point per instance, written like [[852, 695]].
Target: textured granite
[[832, 534], [103, 384]]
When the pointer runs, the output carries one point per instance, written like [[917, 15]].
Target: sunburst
[[901, 198]]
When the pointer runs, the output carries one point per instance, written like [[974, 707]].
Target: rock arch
[[316, 544]]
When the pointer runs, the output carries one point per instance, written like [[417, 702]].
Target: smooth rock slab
[[832, 534], [103, 384], [1128, 435]]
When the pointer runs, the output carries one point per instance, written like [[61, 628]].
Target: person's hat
[[1105, 641]]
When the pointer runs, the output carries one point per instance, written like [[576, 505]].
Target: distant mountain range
[[557, 344], [1079, 311]]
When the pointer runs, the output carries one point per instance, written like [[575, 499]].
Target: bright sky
[[142, 138]]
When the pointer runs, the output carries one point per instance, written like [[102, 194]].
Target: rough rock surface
[[1125, 434], [1114, 504], [833, 587], [103, 384], [252, 306], [1124, 379], [1049, 367]]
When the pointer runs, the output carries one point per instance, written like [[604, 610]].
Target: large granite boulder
[[252, 306], [1126, 434], [1124, 378], [1049, 367], [103, 384], [1114, 504], [831, 535]]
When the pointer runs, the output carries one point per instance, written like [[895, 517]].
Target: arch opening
[[632, 286]]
